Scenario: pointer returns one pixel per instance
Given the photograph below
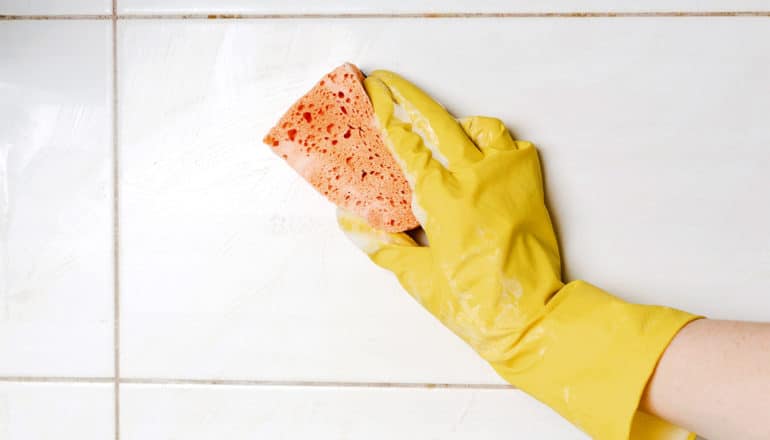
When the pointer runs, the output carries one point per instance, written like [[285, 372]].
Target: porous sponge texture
[[331, 138]]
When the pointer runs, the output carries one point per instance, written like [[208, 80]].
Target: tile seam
[[251, 382], [57, 379], [116, 223], [247, 16], [310, 383]]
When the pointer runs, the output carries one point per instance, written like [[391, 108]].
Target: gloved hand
[[491, 271]]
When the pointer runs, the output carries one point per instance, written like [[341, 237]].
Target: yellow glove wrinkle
[[441, 133], [488, 133], [492, 270]]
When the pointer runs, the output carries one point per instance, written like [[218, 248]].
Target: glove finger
[[488, 133], [396, 252], [407, 148], [439, 131]]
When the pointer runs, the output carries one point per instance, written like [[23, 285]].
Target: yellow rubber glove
[[491, 272]]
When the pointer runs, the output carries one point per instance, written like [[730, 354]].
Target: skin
[[714, 379]]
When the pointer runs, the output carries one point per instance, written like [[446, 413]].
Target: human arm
[[714, 379]]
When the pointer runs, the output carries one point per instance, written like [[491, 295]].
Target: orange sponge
[[330, 137]]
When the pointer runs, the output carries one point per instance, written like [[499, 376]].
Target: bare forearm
[[714, 379]]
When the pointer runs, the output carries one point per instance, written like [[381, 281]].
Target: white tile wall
[[56, 198], [55, 7], [46, 411], [654, 142], [197, 413], [441, 6], [242, 262], [224, 240]]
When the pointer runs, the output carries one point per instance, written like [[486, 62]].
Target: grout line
[[56, 379], [311, 383], [374, 15], [255, 383], [56, 17], [447, 15], [115, 221]]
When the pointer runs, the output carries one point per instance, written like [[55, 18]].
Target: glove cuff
[[590, 357]]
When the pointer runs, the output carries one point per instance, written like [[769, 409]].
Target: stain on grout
[[429, 15]]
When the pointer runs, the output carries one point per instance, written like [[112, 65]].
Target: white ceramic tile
[[55, 7], [231, 265], [55, 198], [653, 138], [46, 411], [201, 412], [404, 6]]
